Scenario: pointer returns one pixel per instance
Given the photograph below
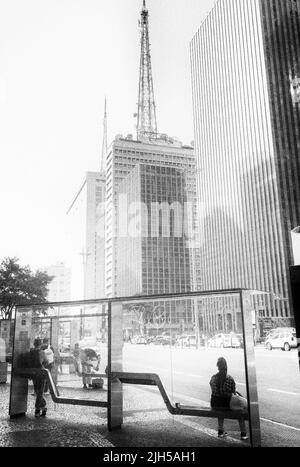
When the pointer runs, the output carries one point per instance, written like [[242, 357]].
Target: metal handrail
[[44, 373]]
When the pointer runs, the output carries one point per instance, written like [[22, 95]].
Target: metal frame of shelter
[[116, 377]]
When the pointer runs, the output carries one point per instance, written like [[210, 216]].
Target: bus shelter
[[170, 342]]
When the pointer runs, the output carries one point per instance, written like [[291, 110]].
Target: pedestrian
[[89, 361], [37, 360], [77, 359], [49, 359], [222, 387]]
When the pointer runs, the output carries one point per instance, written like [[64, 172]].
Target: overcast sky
[[58, 60]]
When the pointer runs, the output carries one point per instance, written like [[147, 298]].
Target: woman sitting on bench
[[222, 387]]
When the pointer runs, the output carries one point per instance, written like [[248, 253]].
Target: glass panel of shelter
[[181, 341], [78, 336]]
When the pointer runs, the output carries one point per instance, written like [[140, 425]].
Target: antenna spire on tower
[[146, 115], [104, 141]]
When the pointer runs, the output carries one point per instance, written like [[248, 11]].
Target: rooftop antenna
[[146, 114]]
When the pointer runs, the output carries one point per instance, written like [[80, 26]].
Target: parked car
[[220, 340], [284, 340], [237, 340], [139, 340], [274, 331], [180, 340], [190, 341], [162, 340], [226, 340]]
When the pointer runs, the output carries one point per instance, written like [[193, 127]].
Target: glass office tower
[[153, 257], [246, 81], [123, 156]]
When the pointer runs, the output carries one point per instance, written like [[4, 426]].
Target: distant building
[[60, 286], [246, 73], [87, 232]]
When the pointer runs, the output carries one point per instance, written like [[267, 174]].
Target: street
[[186, 373]]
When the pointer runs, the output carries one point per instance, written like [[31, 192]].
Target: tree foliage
[[19, 285]]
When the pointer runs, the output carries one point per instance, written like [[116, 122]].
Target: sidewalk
[[147, 423]]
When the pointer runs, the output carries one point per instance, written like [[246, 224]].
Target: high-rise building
[[153, 257], [59, 289], [246, 93], [151, 148], [87, 226], [123, 160]]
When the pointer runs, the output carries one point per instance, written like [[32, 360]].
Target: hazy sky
[[58, 60]]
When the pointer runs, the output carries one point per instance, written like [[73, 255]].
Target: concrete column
[[115, 363], [250, 369], [19, 386]]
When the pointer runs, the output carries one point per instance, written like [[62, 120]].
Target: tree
[[20, 286]]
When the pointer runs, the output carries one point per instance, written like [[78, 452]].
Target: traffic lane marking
[[284, 392], [280, 424], [206, 404]]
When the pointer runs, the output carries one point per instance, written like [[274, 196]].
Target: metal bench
[[29, 373], [152, 379]]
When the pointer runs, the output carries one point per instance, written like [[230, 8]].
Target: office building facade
[[153, 257], [59, 289], [87, 234], [245, 61], [123, 156]]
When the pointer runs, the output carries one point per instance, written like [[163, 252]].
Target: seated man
[[89, 361]]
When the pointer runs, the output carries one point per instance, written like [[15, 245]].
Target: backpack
[[49, 355], [30, 359]]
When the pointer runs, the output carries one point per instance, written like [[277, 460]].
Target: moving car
[[284, 340]]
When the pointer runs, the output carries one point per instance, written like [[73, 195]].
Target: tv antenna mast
[[146, 115]]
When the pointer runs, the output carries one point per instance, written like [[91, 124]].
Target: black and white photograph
[[150, 234]]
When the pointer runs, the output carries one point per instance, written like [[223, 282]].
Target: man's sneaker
[[37, 413], [222, 434], [244, 436], [85, 386], [44, 412]]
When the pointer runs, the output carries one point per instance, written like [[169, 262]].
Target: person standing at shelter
[[37, 361], [49, 359], [222, 387], [86, 369], [77, 360]]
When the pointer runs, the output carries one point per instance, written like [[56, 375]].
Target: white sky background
[[58, 60]]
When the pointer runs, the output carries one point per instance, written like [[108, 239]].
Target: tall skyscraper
[[123, 160], [246, 92], [59, 289], [123, 157], [87, 226], [153, 257]]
